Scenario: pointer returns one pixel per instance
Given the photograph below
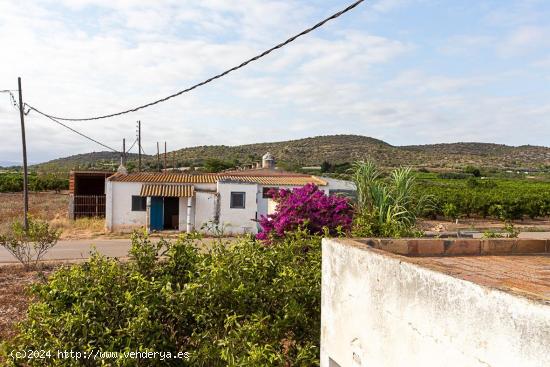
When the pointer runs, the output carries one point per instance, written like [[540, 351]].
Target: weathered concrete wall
[[118, 209], [380, 311]]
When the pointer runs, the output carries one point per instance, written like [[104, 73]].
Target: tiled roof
[[164, 177], [205, 178], [167, 190], [275, 180]]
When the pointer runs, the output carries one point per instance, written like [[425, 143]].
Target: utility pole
[[139, 146], [158, 157], [25, 172], [173, 160], [123, 156], [165, 156]]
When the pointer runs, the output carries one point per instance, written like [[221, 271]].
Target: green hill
[[336, 149]]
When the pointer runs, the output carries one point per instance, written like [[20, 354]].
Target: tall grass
[[386, 207]]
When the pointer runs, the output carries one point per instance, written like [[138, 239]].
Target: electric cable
[[243, 64]]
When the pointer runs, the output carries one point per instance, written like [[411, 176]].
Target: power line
[[134, 143], [243, 64], [14, 102], [81, 134]]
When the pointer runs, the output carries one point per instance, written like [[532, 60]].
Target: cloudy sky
[[405, 71]]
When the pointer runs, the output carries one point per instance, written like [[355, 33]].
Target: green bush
[[29, 245], [13, 182], [239, 304]]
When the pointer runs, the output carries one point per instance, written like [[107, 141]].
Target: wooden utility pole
[[139, 146], [165, 156], [158, 157], [25, 172], [123, 156]]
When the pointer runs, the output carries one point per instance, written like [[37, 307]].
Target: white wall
[[377, 310], [123, 218], [205, 208], [108, 205], [238, 220]]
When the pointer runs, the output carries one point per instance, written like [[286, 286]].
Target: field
[[51, 207], [499, 198]]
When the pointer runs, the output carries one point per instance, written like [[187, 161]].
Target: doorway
[[171, 213]]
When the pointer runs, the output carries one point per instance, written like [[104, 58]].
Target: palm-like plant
[[386, 207]]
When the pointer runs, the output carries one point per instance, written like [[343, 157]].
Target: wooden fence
[[88, 206]]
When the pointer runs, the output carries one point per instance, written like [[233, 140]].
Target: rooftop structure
[[436, 302]]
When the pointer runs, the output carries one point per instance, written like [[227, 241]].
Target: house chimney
[[122, 169], [268, 161]]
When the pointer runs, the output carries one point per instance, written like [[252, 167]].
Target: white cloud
[[85, 57]]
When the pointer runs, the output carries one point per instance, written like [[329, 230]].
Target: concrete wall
[[205, 208], [238, 220], [182, 214], [380, 311], [119, 214]]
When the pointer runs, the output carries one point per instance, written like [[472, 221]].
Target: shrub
[[309, 208], [476, 172], [30, 246], [239, 304], [450, 211]]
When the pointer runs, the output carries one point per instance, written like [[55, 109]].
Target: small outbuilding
[[87, 193]]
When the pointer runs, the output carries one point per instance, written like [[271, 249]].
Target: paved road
[[78, 249]]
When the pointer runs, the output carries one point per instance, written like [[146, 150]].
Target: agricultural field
[[492, 197], [13, 182]]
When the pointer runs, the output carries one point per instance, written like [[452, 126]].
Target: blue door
[[157, 209]]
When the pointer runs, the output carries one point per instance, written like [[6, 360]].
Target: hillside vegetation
[[335, 149]]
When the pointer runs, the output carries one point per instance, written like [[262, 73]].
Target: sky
[[404, 71]]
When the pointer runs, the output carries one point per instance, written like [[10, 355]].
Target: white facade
[[118, 207], [238, 220]]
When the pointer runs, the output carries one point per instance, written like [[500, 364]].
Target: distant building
[[185, 202], [87, 193]]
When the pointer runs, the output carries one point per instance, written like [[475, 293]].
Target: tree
[[326, 167], [29, 246]]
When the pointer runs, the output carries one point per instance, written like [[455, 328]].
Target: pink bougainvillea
[[306, 207]]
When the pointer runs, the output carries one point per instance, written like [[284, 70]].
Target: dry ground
[[14, 295], [525, 225], [52, 207]]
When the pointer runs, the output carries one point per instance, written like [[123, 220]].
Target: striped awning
[[167, 190]]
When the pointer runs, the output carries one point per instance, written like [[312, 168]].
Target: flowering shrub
[[309, 208]]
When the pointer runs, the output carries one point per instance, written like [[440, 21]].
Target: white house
[[185, 202]]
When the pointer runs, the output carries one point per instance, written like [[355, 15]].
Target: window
[[139, 203], [237, 200], [266, 190]]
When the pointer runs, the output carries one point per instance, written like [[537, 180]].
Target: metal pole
[[139, 146], [123, 158], [25, 172], [165, 156]]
